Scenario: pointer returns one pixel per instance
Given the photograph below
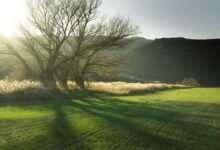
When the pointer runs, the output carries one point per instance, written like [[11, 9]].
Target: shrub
[[190, 82]]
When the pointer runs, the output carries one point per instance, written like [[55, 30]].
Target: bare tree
[[54, 21], [91, 47], [68, 40]]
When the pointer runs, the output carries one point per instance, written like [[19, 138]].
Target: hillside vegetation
[[173, 59]]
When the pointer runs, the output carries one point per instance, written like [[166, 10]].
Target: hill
[[173, 59]]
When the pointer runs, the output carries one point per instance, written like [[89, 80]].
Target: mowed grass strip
[[181, 119]]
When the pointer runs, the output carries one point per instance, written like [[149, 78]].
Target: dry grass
[[110, 87], [126, 88], [121, 88], [7, 86]]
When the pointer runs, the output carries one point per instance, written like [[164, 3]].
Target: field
[[161, 119]]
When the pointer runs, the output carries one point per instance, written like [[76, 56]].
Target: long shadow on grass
[[59, 133], [138, 125], [182, 125]]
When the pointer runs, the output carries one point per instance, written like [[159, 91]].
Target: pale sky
[[156, 18], [11, 13]]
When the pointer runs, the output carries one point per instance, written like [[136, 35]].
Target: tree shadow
[[59, 134], [127, 124], [195, 126]]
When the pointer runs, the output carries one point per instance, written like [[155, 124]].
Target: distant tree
[[67, 40]]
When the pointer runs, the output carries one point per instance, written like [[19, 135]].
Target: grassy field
[[178, 119]]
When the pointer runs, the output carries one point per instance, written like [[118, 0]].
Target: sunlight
[[11, 13]]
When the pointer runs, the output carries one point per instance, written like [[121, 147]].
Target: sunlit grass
[[119, 88], [9, 112], [126, 88], [7, 86], [174, 119]]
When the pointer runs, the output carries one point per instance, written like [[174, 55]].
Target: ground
[[178, 119]]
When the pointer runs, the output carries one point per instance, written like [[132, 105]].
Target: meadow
[[168, 117]]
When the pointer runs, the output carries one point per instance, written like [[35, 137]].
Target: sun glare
[[11, 13]]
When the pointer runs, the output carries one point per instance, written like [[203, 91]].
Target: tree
[[68, 40], [90, 48]]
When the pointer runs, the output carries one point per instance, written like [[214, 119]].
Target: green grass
[[184, 119]]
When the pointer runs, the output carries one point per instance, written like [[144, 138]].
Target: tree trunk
[[80, 83], [62, 77], [64, 84], [49, 81]]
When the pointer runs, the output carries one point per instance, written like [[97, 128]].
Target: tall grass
[[7, 86], [108, 87], [127, 88]]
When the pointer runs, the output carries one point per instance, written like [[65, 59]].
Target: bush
[[190, 82]]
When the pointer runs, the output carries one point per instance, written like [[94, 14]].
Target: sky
[[198, 19]]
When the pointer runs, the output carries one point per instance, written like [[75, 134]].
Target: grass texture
[[168, 119]]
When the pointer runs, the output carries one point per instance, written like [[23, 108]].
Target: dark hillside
[[173, 59]]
